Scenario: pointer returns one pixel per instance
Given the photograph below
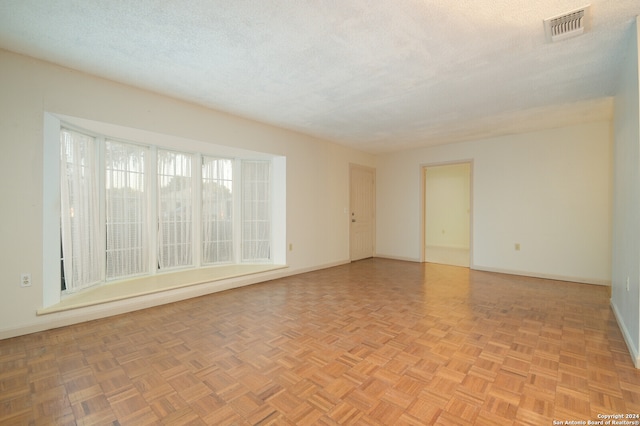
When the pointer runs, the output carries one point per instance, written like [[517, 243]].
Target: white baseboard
[[404, 259], [318, 267], [580, 280], [79, 315], [635, 354]]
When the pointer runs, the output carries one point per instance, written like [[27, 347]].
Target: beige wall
[[447, 205], [317, 177], [625, 293], [549, 191]]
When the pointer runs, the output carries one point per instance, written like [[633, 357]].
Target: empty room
[[379, 213]]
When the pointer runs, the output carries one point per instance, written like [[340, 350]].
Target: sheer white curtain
[[125, 203], [217, 210], [80, 215], [175, 213], [256, 211]]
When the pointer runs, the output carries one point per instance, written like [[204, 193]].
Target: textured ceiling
[[376, 75]]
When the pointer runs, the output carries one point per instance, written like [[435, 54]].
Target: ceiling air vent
[[568, 25]]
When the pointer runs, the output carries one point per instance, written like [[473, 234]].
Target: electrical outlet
[[517, 247], [25, 280]]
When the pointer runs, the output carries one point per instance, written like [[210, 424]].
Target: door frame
[[423, 205], [353, 166]]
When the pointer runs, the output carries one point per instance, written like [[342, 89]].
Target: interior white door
[[362, 214]]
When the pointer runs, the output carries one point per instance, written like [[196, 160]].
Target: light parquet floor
[[375, 342]]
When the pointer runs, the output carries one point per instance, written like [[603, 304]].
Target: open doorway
[[447, 214]]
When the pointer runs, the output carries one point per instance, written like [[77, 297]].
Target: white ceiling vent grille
[[568, 25]]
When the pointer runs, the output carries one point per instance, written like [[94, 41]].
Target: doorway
[[447, 214], [362, 202]]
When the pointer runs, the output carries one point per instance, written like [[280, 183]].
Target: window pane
[[80, 217], [256, 211], [174, 210], [113, 227], [125, 210], [217, 210]]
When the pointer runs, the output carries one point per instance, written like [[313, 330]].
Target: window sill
[[153, 284]]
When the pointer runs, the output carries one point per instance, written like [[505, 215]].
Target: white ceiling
[[376, 75]]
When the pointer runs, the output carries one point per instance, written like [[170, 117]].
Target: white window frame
[[194, 200], [234, 211], [148, 232], [51, 192]]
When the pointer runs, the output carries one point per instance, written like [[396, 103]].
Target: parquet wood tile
[[375, 342]]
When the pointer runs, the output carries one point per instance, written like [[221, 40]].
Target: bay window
[[175, 209], [256, 218], [217, 210], [126, 208], [80, 219], [131, 209]]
